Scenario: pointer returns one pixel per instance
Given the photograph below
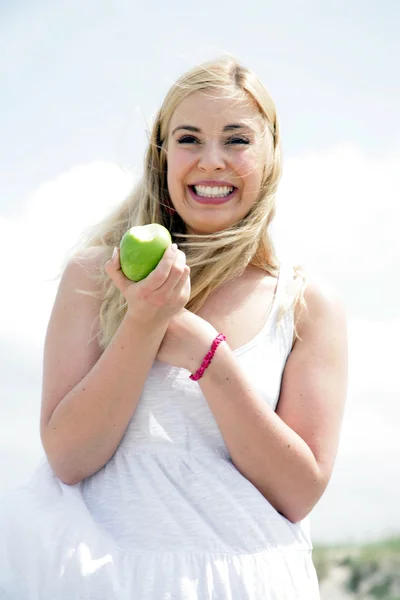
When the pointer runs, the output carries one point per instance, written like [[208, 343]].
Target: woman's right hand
[[162, 294]]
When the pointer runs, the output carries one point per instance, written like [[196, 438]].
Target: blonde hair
[[215, 258]]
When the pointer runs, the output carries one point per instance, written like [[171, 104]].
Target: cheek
[[249, 168], [172, 170], [178, 163], [177, 169]]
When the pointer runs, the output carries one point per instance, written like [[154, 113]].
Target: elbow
[[70, 481], [301, 504], [296, 514], [63, 470], [56, 457], [297, 511], [60, 471], [65, 476]]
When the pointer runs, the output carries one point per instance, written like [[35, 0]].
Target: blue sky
[[80, 80]]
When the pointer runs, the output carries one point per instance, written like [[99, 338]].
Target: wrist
[[220, 366], [199, 348], [148, 327], [204, 362]]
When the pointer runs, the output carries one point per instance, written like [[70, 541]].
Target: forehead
[[211, 110]]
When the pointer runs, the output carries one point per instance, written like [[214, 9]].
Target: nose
[[211, 157]]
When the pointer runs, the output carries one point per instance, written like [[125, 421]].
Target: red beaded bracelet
[[208, 357]]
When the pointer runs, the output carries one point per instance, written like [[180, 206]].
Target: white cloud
[[33, 246]]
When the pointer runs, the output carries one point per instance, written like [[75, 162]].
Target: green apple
[[141, 249]]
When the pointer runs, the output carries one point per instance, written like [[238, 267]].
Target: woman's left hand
[[186, 341]]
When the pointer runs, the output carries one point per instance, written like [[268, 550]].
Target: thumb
[[114, 271]]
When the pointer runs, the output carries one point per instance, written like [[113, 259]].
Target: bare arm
[[89, 397], [288, 454]]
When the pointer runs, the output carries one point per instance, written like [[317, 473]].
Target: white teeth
[[212, 192]]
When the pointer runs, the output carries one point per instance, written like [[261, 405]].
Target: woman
[[157, 485]]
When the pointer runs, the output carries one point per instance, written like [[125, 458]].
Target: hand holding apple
[[160, 295], [141, 249]]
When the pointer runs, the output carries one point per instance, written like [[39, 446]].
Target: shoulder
[[79, 296], [86, 265], [91, 258], [82, 280], [322, 302]]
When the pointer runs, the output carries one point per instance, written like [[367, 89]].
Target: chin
[[205, 229], [208, 226]]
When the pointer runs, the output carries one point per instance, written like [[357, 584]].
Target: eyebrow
[[233, 127]]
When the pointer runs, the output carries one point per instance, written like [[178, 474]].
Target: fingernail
[[114, 254], [174, 247]]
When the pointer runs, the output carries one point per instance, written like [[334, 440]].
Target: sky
[[80, 84]]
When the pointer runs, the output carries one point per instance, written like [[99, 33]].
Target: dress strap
[[284, 295], [285, 278]]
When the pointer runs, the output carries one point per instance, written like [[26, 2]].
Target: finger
[[176, 272], [114, 271], [156, 279], [182, 281]]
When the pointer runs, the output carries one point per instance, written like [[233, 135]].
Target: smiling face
[[215, 160]]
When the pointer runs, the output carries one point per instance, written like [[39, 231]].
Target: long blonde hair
[[215, 258]]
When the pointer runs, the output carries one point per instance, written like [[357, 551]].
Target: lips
[[212, 183], [212, 191], [216, 200]]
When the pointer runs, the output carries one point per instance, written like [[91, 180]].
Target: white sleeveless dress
[[169, 517]]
